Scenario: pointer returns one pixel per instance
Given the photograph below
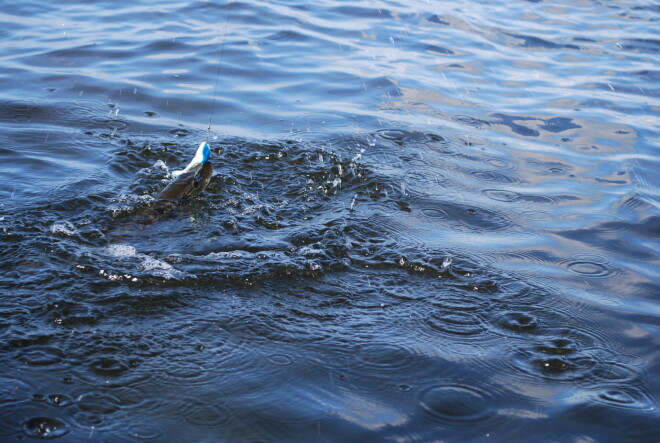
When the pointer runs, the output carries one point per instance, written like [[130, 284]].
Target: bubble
[[151, 114], [456, 403], [45, 428], [61, 400]]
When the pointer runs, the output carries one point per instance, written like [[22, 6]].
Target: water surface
[[428, 221]]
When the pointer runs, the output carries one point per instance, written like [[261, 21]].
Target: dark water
[[428, 221]]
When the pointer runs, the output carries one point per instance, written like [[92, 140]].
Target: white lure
[[201, 156]]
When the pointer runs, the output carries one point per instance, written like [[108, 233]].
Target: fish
[[192, 180]]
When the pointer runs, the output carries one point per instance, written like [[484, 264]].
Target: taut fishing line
[[204, 151], [217, 77]]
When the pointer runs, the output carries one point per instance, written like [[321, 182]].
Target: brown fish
[[184, 186]]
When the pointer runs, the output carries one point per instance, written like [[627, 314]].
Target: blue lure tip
[[206, 152]]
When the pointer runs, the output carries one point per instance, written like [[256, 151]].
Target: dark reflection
[[529, 41], [555, 124]]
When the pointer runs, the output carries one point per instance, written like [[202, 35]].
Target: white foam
[[147, 263], [153, 264], [224, 254], [122, 250], [160, 165], [310, 252], [65, 228]]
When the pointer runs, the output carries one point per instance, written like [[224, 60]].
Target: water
[[428, 221]]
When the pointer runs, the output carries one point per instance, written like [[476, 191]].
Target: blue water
[[429, 221]]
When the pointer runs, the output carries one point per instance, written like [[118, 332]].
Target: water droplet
[[59, 400], [45, 428]]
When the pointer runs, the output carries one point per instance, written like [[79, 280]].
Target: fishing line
[[217, 77]]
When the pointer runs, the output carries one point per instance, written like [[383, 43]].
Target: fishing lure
[[201, 156]]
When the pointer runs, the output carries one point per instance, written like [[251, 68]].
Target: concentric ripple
[[626, 397], [502, 195], [385, 357], [516, 321], [207, 414], [41, 356], [590, 266], [454, 322], [456, 403]]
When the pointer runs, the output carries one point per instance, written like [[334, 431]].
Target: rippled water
[[428, 221]]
